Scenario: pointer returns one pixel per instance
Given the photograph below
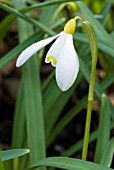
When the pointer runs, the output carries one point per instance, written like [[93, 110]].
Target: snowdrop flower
[[62, 55]]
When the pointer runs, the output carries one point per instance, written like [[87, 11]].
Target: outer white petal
[[56, 47], [31, 50], [67, 66]]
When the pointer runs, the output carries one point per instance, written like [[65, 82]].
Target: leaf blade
[[69, 163], [10, 154]]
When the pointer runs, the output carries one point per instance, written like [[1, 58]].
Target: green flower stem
[[94, 51], [89, 112], [87, 130], [92, 81]]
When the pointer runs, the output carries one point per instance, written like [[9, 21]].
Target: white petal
[[56, 47], [67, 66], [31, 50]]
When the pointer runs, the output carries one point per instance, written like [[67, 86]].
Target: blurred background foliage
[[35, 114]]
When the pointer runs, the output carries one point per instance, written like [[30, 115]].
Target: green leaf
[[14, 153], [51, 94], [103, 46], [107, 81], [32, 96], [19, 48], [7, 21], [4, 25], [1, 165], [28, 19], [105, 10], [68, 163], [67, 118], [108, 154], [104, 129], [78, 145], [99, 29], [19, 120], [34, 112], [57, 107], [50, 2]]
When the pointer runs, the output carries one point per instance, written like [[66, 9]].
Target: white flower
[[62, 55]]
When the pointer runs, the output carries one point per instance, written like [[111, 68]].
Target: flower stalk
[[94, 51], [89, 112]]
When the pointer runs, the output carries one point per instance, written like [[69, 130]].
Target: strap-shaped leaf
[[10, 154], [98, 27], [104, 129], [108, 154], [1, 165], [68, 163]]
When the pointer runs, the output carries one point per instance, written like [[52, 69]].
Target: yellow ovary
[[70, 26]]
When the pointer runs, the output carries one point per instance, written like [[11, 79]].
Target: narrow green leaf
[[99, 29], [67, 118], [19, 120], [103, 46], [78, 145], [7, 21], [48, 3], [34, 113], [28, 19], [104, 129], [69, 163], [105, 10], [107, 81], [1, 165], [32, 96], [48, 81], [51, 94], [57, 108], [108, 154], [19, 48], [14, 153], [47, 13], [39, 5], [4, 25]]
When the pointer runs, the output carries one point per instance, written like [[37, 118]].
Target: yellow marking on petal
[[51, 59], [70, 26]]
